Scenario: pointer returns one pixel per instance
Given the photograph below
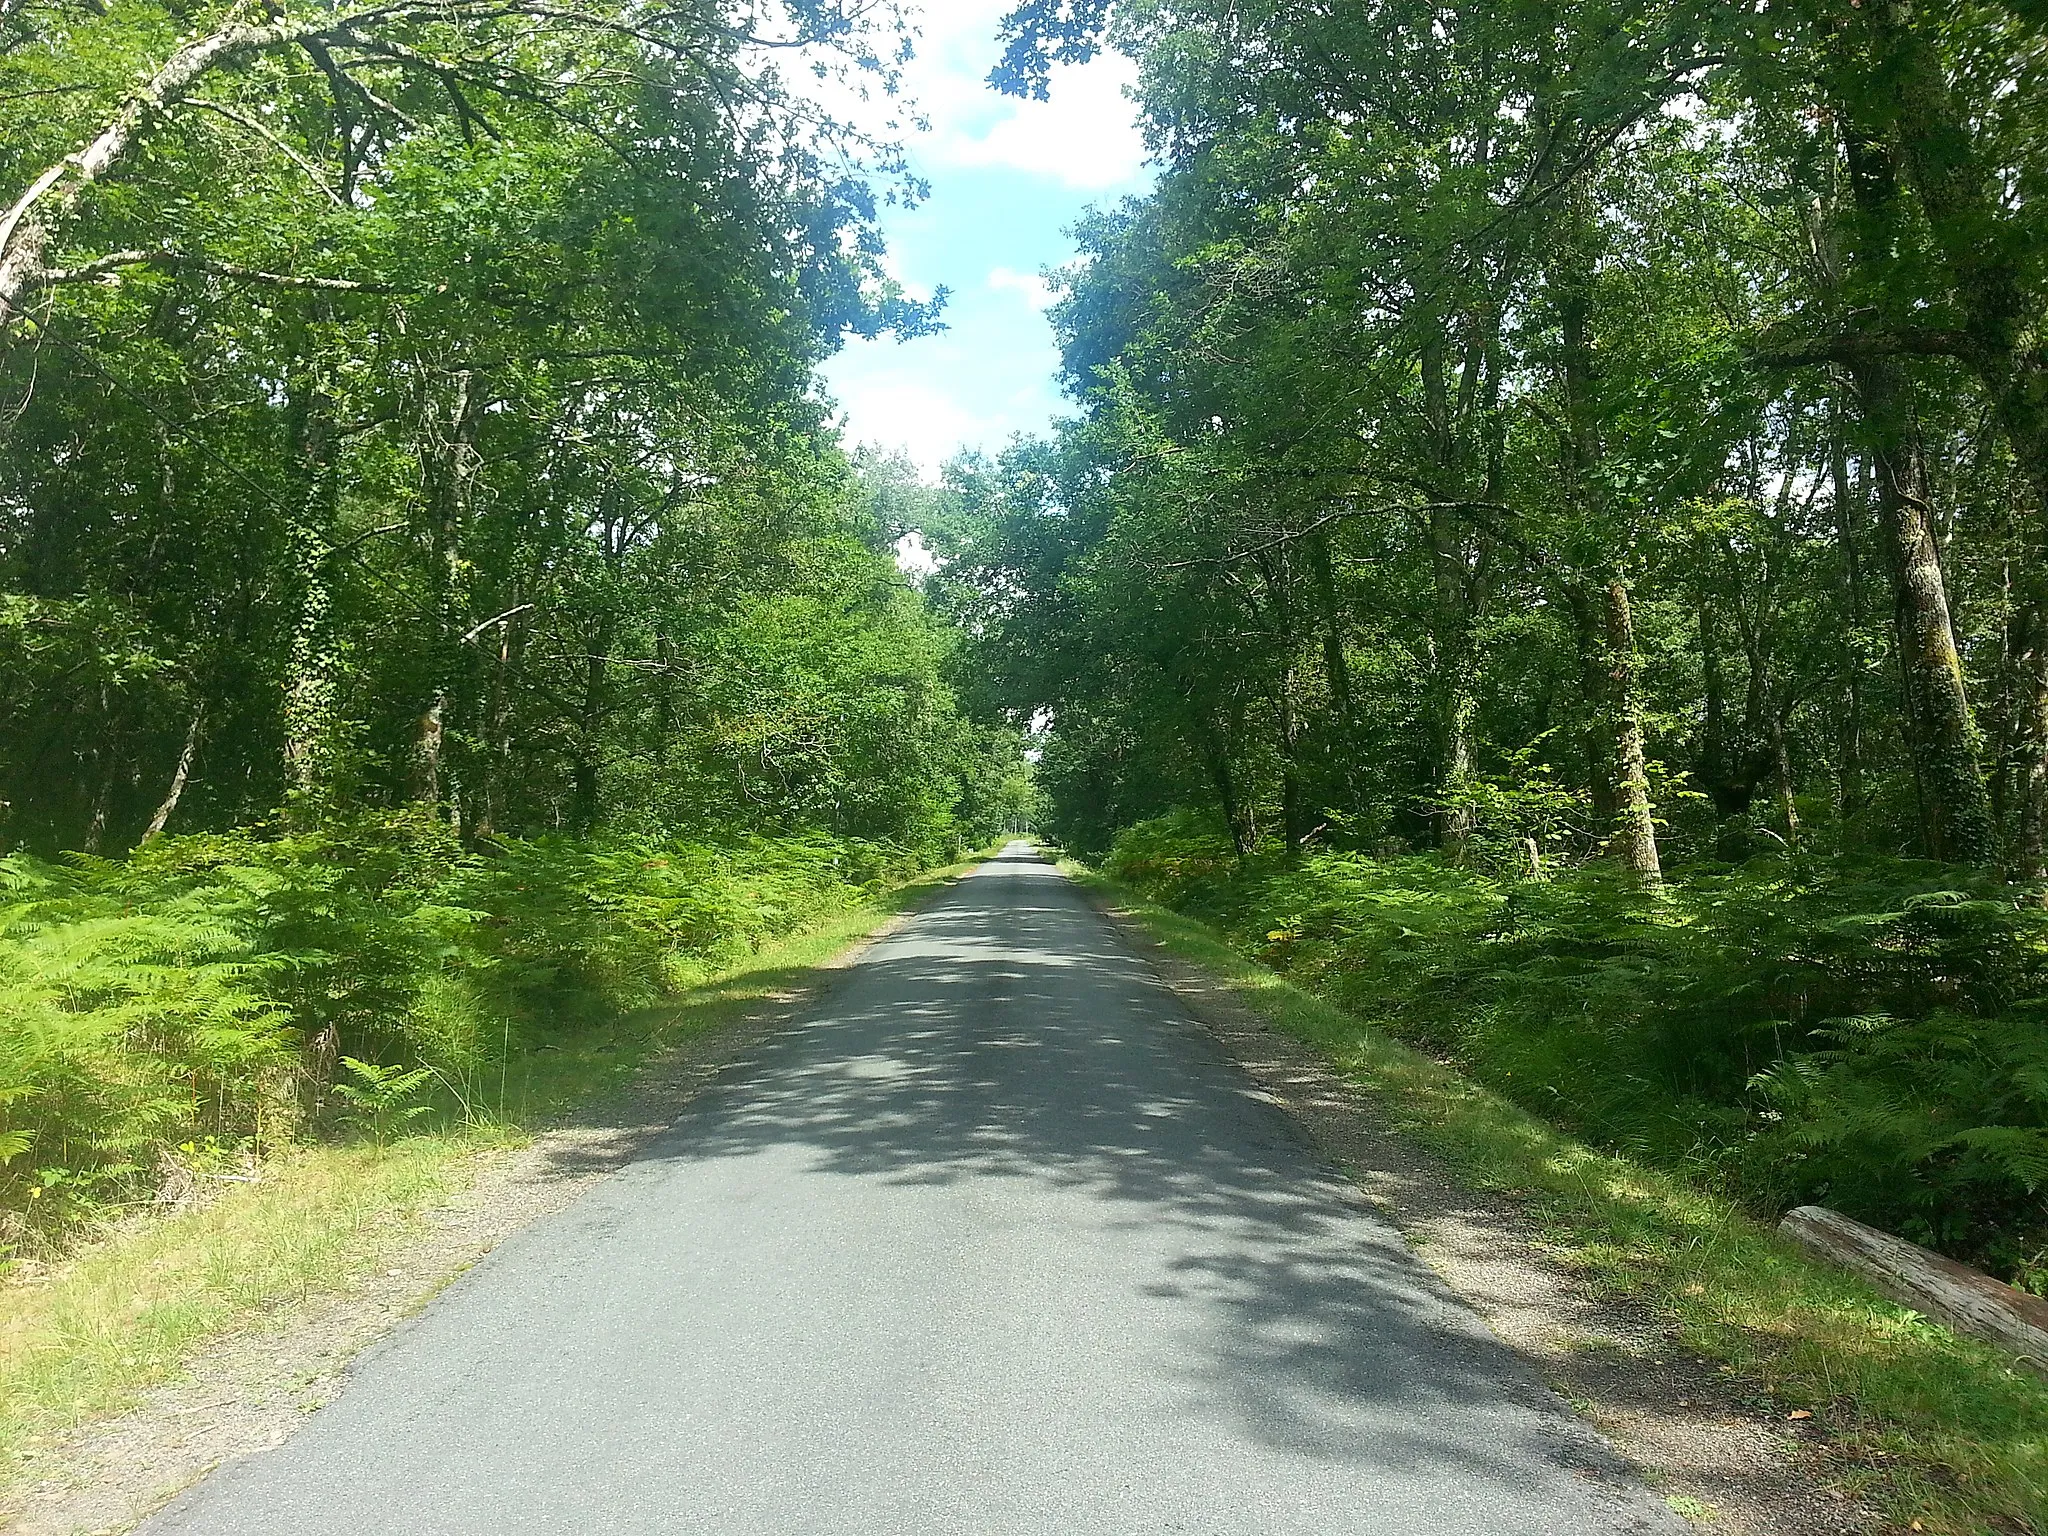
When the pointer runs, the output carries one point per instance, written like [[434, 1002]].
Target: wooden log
[[1967, 1300]]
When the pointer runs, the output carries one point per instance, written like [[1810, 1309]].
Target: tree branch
[[501, 618], [171, 261], [243, 119], [1776, 348]]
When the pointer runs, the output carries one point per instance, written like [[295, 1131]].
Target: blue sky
[[1007, 178]]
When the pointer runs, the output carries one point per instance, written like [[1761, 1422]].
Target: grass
[[128, 1310], [1938, 1429]]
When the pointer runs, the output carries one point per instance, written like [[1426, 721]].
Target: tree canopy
[[414, 404], [1546, 433]]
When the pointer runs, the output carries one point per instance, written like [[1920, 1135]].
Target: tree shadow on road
[[1020, 1041]]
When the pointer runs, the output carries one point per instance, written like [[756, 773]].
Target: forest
[[1549, 551], [435, 606]]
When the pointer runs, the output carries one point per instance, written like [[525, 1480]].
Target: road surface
[[994, 1242]]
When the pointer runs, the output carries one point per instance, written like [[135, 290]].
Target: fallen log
[[1967, 1300]]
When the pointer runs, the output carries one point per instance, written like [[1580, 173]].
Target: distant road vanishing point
[[993, 1241]]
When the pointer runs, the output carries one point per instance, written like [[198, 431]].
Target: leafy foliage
[[425, 552], [236, 990]]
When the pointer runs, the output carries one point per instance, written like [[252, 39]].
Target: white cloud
[[1085, 136], [1006, 175], [895, 408], [1036, 290]]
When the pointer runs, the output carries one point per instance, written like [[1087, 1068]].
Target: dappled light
[[525, 527]]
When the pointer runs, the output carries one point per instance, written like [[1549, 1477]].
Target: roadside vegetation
[[438, 619], [1549, 555], [235, 1241], [1865, 1034], [1948, 1435], [179, 1016]]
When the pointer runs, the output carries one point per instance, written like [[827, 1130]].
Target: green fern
[[381, 1098], [206, 990], [1867, 1034]]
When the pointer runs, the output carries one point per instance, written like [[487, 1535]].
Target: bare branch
[[501, 618]]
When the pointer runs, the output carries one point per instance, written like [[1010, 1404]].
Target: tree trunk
[[1633, 843], [1293, 814], [1217, 760], [179, 777], [51, 200], [664, 700], [1455, 707], [1781, 773], [1955, 804], [497, 733], [309, 685], [1729, 762], [591, 726], [1586, 630], [1335, 667], [449, 476], [2029, 856], [96, 824], [1963, 1299], [2002, 722], [1458, 582], [1907, 99], [427, 746], [1848, 520], [1632, 833]]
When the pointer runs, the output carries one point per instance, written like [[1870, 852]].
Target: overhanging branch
[[1779, 347], [172, 261]]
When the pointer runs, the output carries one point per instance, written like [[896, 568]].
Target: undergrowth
[[1870, 1034], [81, 1337], [218, 998]]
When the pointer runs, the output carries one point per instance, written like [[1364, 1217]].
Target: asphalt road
[[994, 1242]]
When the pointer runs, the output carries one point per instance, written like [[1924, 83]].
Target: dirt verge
[[249, 1389], [1713, 1444]]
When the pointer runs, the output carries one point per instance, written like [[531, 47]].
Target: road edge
[[251, 1386], [1719, 1451]]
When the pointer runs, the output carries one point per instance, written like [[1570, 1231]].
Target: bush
[[230, 992], [1867, 1034]]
